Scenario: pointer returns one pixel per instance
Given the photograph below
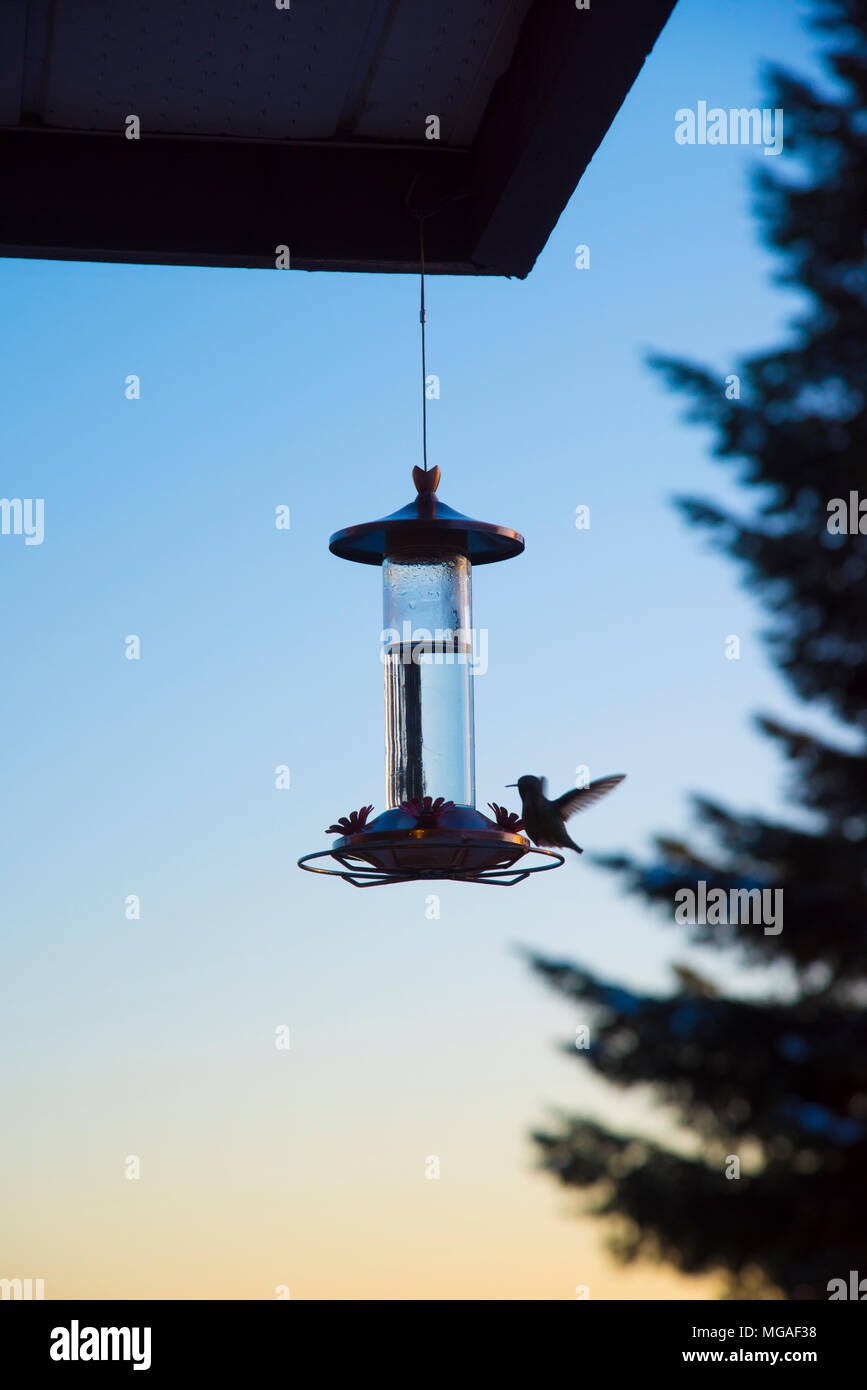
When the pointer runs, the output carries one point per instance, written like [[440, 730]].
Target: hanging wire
[[414, 210], [423, 369], [422, 210]]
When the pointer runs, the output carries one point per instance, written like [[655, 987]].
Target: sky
[[304, 1168]]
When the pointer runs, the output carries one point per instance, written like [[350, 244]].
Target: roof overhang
[[306, 127]]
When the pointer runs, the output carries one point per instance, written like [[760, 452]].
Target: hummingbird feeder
[[430, 828]]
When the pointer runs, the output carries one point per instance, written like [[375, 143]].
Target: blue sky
[[259, 648]]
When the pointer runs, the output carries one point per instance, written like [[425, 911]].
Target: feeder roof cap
[[425, 524]]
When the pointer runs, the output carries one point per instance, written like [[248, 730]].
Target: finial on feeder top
[[426, 480]]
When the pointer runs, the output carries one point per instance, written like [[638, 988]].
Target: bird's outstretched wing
[[572, 802]]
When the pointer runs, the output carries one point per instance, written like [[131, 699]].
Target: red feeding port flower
[[426, 809], [506, 820], [351, 824]]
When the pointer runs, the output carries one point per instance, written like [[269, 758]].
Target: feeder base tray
[[372, 858]]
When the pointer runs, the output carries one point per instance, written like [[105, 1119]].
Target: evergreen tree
[[778, 1084]]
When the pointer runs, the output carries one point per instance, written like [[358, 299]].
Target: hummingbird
[[544, 820]]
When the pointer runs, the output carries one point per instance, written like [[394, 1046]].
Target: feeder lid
[[426, 523]]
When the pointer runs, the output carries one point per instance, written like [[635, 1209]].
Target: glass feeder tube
[[427, 654]]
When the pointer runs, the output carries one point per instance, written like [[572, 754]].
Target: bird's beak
[[511, 784]]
